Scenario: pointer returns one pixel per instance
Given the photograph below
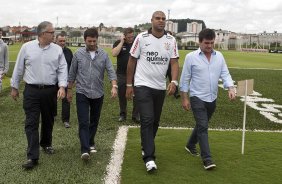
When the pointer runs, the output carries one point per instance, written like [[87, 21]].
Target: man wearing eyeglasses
[[151, 53], [61, 41], [42, 65]]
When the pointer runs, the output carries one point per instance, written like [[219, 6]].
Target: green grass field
[[65, 166], [259, 164]]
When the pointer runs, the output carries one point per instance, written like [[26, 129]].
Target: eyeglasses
[[51, 32]]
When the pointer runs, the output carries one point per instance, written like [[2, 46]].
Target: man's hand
[[185, 101], [69, 95], [114, 91], [231, 93], [171, 88], [2, 75], [129, 92], [186, 104], [15, 94], [122, 37], [61, 93]]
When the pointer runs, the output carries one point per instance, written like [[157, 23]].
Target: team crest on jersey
[[167, 46]]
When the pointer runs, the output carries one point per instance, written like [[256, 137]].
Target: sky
[[244, 16]]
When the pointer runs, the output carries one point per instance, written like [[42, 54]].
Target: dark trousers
[[149, 102], [121, 78], [38, 101], [65, 109], [202, 112], [88, 114]]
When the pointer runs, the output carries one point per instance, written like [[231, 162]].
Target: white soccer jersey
[[153, 57]]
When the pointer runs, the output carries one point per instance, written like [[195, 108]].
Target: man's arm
[[6, 61], [185, 83], [129, 76], [174, 76], [116, 50]]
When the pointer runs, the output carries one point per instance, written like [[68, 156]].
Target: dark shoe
[[209, 165], [192, 151], [48, 150], [85, 156], [135, 120], [121, 119], [176, 96], [30, 164], [67, 124]]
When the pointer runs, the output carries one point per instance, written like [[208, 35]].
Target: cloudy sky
[[250, 16]]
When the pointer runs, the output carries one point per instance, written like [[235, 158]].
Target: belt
[[40, 86]]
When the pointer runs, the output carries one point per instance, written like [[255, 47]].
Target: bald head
[[158, 23], [157, 13]]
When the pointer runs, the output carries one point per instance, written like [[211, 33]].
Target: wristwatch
[[175, 82]]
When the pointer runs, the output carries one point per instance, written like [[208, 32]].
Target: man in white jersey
[[151, 53]]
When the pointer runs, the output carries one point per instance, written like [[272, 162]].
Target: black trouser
[[38, 101], [121, 78], [149, 102], [202, 112], [65, 108]]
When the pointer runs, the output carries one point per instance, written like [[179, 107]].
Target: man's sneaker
[[48, 150], [151, 166], [67, 124], [85, 156], [30, 164], [93, 149], [142, 153], [192, 151], [122, 118], [209, 165]]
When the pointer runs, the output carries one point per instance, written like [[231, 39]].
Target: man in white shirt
[[42, 65], [151, 53]]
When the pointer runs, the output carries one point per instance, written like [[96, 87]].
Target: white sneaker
[[85, 156], [151, 166], [93, 149]]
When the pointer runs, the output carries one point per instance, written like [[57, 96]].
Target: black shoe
[[176, 96], [135, 120], [192, 151], [209, 165], [48, 150], [30, 164], [121, 119], [67, 124]]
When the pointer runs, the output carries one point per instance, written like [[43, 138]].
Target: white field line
[[254, 68], [114, 166]]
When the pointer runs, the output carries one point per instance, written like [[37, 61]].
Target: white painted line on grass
[[114, 166], [216, 129], [255, 68]]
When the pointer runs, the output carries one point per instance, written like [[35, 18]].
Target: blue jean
[[202, 112], [88, 114], [149, 102]]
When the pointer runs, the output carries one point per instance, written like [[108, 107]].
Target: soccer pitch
[[259, 164]]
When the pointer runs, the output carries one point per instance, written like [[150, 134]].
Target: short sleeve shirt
[[153, 58]]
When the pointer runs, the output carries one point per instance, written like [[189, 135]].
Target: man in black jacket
[[121, 50], [61, 41]]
